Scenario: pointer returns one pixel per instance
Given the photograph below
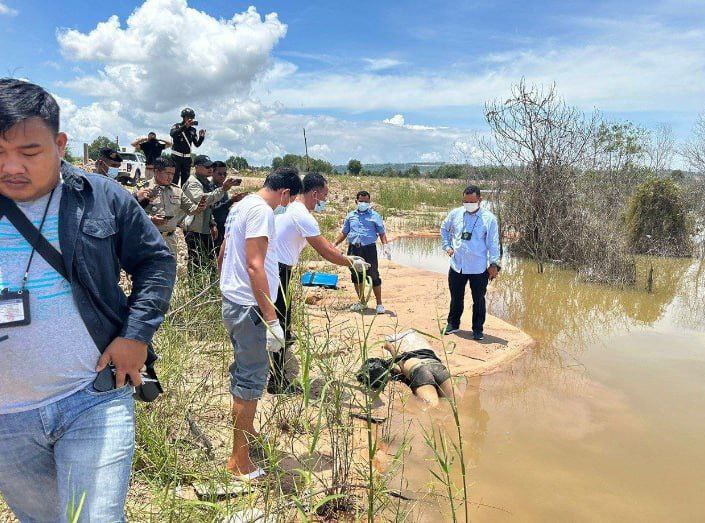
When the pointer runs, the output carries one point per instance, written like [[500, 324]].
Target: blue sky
[[380, 81]]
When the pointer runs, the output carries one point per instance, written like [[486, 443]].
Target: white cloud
[[6, 10], [380, 64], [169, 54], [630, 65], [166, 55], [397, 119]]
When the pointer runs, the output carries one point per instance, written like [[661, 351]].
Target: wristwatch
[[499, 268]]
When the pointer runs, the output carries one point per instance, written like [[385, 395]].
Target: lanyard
[[34, 243]]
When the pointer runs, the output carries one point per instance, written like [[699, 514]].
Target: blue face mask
[[363, 206], [113, 172], [280, 209], [320, 206]]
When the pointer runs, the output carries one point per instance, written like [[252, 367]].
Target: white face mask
[[363, 206], [113, 172], [471, 207], [280, 209], [320, 206]]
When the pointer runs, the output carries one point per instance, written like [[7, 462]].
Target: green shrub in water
[[657, 220]]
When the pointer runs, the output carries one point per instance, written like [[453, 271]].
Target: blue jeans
[[52, 456]]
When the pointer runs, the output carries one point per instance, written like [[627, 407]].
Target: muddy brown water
[[602, 420]]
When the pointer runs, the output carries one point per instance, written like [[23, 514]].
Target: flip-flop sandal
[[259, 472], [236, 486]]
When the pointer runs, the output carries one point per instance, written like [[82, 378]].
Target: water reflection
[[589, 424], [556, 307]]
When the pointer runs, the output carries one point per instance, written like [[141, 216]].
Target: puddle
[[603, 420]]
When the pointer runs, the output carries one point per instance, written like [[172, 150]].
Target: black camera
[[195, 122], [466, 236]]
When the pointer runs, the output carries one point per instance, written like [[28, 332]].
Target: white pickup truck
[[134, 165]]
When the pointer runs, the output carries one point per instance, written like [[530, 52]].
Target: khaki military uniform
[[171, 203], [194, 190]]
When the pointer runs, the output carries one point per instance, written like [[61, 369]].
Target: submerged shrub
[[657, 220]]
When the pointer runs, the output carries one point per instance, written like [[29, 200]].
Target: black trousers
[[478, 288], [200, 248], [183, 169], [276, 361], [369, 254]]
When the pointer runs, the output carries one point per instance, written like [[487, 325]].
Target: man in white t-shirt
[[249, 281], [295, 229]]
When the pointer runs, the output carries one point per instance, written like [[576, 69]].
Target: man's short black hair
[[217, 164], [110, 154], [151, 132], [284, 178], [162, 163], [313, 181], [363, 194], [20, 101], [472, 189]]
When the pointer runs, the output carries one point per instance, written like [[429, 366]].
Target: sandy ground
[[417, 299]]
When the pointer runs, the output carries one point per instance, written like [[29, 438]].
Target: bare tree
[[546, 149], [693, 152], [694, 149], [661, 149], [540, 142]]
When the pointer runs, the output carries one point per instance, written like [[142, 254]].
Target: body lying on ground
[[414, 362]]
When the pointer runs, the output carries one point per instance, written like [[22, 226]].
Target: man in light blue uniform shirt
[[362, 227], [470, 237]]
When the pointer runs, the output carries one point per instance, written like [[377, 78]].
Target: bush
[[657, 220], [237, 162], [97, 144], [354, 167]]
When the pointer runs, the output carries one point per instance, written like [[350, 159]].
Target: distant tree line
[[303, 164]]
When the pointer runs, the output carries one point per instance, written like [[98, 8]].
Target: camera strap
[[477, 217], [33, 236]]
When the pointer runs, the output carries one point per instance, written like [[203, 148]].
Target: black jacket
[[184, 138]]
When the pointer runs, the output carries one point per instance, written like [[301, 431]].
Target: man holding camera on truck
[[185, 138]]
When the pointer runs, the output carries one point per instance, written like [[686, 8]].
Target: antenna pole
[[308, 162]]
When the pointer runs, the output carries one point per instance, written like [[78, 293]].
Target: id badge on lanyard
[[14, 308], [14, 305]]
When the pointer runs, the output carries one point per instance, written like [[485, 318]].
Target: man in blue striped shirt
[[470, 237]]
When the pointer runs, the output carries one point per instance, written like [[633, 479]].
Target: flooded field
[[603, 420]]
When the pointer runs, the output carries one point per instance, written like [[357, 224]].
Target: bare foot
[[242, 466]]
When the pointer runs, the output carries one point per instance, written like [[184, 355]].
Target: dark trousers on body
[[277, 379], [183, 169], [200, 250], [478, 288]]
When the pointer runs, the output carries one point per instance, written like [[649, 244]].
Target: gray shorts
[[428, 372], [248, 334]]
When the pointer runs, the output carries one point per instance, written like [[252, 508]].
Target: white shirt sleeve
[[259, 222], [307, 224]]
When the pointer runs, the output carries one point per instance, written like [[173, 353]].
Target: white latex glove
[[387, 252], [358, 264], [275, 336]]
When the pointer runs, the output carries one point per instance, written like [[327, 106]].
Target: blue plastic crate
[[319, 279]]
